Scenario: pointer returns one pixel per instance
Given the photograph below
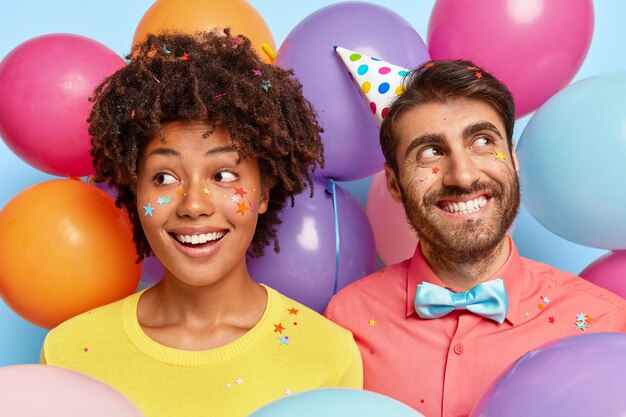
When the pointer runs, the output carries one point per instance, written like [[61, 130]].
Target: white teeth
[[465, 207], [201, 238]]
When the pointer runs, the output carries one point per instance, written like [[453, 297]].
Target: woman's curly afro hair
[[206, 77]]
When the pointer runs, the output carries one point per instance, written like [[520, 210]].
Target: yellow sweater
[[292, 348]]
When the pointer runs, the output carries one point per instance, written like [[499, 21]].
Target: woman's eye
[[164, 179], [225, 176]]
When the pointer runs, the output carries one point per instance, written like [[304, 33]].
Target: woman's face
[[198, 202]]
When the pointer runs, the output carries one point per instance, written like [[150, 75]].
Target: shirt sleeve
[[352, 374]]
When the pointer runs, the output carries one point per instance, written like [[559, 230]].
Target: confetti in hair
[[185, 56], [220, 96], [156, 79], [167, 51], [257, 73], [269, 51], [236, 41], [266, 84]]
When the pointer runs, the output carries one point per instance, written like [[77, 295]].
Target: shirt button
[[458, 349]]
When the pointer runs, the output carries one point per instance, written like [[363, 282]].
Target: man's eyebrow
[[477, 127], [429, 138]]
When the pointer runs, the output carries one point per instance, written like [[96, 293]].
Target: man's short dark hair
[[440, 81]]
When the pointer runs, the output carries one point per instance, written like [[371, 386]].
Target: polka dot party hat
[[379, 81]]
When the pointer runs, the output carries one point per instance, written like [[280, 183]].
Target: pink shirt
[[441, 367]]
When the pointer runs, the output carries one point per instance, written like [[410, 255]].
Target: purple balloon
[[350, 135], [305, 267], [608, 271], [576, 376]]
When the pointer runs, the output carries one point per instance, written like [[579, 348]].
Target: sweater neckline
[[182, 357]]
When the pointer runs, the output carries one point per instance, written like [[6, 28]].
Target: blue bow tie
[[487, 299]]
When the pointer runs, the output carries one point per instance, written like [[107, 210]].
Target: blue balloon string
[[332, 189]]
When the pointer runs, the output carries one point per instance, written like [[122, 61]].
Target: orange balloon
[[64, 249], [191, 16]]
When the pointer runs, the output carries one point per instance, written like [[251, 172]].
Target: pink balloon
[[534, 47], [43, 390], [608, 271], [395, 239], [45, 84]]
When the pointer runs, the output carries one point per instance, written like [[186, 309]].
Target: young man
[[436, 330]]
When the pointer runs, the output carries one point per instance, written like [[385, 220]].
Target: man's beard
[[470, 241]]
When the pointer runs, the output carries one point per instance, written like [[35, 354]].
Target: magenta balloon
[[350, 135], [305, 267], [608, 271], [578, 376], [45, 84], [43, 390], [534, 46]]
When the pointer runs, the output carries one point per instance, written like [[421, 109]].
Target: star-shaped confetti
[[185, 57], [163, 200], [240, 192], [235, 198], [266, 84], [239, 381], [206, 191], [256, 72], [235, 42], [422, 401], [180, 191], [435, 170], [167, 51], [581, 325], [293, 311], [478, 75], [540, 306], [284, 340], [500, 156], [287, 391], [278, 328], [581, 317], [551, 320], [148, 210], [546, 300], [241, 208], [372, 322]]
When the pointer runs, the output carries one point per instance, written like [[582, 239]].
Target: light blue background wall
[[113, 23]]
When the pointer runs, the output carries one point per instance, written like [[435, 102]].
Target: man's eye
[[225, 176], [429, 153], [164, 179], [482, 141]]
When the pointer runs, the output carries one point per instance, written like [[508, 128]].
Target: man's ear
[[514, 158], [392, 183]]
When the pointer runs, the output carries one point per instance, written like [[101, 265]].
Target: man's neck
[[465, 275]]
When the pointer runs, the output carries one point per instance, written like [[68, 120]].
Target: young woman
[[204, 143]]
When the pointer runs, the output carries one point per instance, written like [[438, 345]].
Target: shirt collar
[[512, 273]]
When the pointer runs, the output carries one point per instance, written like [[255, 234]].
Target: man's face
[[456, 177]]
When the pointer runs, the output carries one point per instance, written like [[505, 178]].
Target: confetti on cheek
[[240, 191], [423, 179], [206, 191], [235, 198], [180, 191], [251, 204], [241, 208], [500, 156], [148, 210], [163, 200], [435, 170]]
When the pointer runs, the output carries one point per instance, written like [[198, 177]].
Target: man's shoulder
[[573, 285], [375, 283]]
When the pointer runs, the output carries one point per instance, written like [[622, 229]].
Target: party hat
[[379, 81]]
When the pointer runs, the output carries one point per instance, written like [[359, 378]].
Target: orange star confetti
[[293, 311], [500, 156], [241, 208], [180, 191], [435, 170], [472, 68], [540, 306], [478, 75], [372, 322], [278, 328], [240, 191], [429, 64]]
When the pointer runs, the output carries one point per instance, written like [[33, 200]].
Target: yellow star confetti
[[372, 322], [206, 191], [500, 156]]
